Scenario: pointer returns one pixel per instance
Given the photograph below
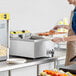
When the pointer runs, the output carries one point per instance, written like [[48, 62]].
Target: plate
[[36, 36], [16, 60]]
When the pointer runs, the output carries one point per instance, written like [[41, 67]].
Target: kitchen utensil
[[33, 47]]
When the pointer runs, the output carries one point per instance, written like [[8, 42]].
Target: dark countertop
[[70, 68]]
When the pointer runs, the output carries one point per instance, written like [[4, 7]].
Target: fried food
[[51, 32], [3, 50]]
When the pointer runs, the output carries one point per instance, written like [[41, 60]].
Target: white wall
[[35, 15]]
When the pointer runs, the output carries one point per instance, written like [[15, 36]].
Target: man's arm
[[65, 26], [70, 38]]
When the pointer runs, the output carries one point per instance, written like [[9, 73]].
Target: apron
[[71, 46]]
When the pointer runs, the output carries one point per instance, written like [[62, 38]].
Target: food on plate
[[43, 74], [3, 50], [44, 34], [52, 73], [60, 32], [40, 34], [49, 72], [51, 32]]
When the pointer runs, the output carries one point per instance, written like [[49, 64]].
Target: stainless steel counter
[[4, 66], [58, 56]]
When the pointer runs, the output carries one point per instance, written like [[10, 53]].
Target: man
[[71, 39]]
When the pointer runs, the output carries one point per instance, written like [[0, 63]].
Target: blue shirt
[[74, 21]]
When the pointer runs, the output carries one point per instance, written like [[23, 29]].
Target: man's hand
[[57, 40], [61, 26], [56, 27]]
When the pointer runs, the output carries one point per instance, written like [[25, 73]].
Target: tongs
[[73, 59]]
